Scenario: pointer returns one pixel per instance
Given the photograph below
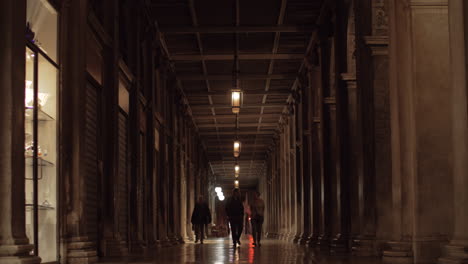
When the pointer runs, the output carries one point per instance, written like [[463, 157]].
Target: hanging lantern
[[236, 101], [236, 183], [236, 169], [237, 148]]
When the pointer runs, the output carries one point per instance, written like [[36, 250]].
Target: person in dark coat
[[201, 216], [235, 214]]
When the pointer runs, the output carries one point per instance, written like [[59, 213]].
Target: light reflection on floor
[[220, 250]]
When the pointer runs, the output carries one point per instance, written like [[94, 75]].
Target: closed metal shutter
[[91, 162], [122, 187]]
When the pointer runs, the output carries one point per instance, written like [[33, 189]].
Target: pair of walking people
[[235, 214], [201, 217]]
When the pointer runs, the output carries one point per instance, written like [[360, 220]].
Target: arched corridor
[[133, 130]]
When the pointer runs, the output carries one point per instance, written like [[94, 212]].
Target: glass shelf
[[39, 207], [41, 115], [40, 162]]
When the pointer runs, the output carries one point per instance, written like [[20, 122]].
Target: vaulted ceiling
[[270, 38]]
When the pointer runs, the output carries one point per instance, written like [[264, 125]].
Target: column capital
[[350, 79], [378, 45]]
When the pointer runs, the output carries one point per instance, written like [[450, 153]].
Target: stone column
[[113, 243], [299, 176], [79, 248], [315, 148], [324, 135], [293, 204], [278, 190], [422, 121], [303, 170], [283, 209], [355, 160], [378, 188], [14, 245], [274, 191], [457, 251], [287, 178], [183, 200]]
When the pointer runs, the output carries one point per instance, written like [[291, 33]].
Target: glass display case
[[41, 115]]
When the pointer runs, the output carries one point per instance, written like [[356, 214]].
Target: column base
[[272, 235], [454, 254], [181, 240], [17, 254], [304, 239], [290, 237], [173, 240], [20, 260], [364, 247], [399, 253], [81, 251], [165, 242], [312, 241], [136, 247], [339, 246], [323, 243], [297, 239], [281, 236], [115, 248]]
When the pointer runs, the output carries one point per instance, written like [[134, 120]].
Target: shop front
[[41, 129]]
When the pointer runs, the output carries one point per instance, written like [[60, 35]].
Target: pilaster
[[457, 251], [421, 156]]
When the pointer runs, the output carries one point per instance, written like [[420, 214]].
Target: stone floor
[[219, 250]]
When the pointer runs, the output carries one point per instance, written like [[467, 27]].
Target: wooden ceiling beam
[[283, 92], [236, 29], [262, 139], [233, 133], [242, 76], [259, 163], [230, 57], [241, 116], [234, 125], [245, 148], [198, 106]]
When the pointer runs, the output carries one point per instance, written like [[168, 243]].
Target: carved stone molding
[[329, 100], [379, 18], [378, 45]]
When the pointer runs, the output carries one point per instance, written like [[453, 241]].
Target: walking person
[[257, 209], [235, 214], [201, 216]]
